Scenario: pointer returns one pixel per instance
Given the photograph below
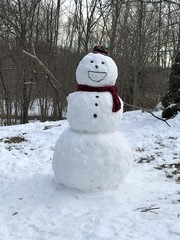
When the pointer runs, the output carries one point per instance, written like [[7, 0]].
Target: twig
[[148, 209], [33, 49], [145, 110], [30, 83]]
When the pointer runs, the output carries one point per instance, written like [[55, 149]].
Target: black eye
[[102, 62], [92, 61]]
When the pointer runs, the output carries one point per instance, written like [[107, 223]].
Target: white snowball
[[91, 162], [96, 69], [92, 112]]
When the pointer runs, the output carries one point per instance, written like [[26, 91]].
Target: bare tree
[[143, 37]]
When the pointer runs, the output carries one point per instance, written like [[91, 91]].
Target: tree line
[[143, 36]]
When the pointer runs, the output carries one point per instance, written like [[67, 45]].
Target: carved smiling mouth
[[96, 76]]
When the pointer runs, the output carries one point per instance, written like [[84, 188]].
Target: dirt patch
[[172, 170], [147, 159], [15, 139]]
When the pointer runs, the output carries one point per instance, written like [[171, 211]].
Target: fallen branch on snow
[[145, 110], [148, 209]]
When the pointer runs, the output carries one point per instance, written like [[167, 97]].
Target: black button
[[97, 96], [95, 115], [96, 104]]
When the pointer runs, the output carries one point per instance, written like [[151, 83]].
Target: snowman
[[92, 155]]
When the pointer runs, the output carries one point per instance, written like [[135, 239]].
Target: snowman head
[[97, 70]]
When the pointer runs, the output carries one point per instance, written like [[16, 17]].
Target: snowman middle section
[[91, 112]]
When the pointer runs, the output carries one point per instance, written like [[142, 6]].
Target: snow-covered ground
[[145, 207]]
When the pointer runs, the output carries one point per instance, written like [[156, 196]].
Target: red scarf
[[111, 89]]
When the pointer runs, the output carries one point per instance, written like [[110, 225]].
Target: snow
[[96, 70], [78, 161], [82, 107], [34, 207]]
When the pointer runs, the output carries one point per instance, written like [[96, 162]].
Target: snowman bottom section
[[91, 162]]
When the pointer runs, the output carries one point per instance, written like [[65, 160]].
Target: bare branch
[[30, 83], [33, 49], [148, 209], [145, 110], [168, 1], [36, 59]]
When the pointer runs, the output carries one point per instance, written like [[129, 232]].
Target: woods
[[143, 37]]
